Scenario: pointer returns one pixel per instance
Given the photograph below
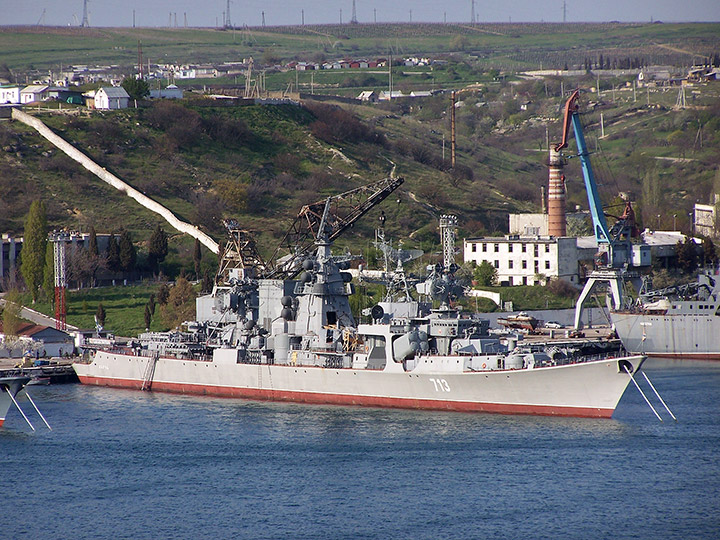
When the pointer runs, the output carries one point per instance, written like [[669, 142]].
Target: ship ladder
[[646, 398], [149, 372]]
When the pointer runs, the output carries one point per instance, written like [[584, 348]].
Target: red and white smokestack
[[556, 195]]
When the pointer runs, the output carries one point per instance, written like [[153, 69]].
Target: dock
[[56, 371]]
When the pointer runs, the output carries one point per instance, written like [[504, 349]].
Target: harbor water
[[130, 464]]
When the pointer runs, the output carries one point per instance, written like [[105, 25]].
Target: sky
[[207, 13]]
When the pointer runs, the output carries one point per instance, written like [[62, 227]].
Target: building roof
[[34, 89], [114, 91], [31, 330]]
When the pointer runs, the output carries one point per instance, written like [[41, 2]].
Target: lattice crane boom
[[327, 218]]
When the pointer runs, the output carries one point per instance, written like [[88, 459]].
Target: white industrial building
[[525, 260]]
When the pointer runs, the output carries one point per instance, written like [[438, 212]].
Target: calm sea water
[[125, 464]]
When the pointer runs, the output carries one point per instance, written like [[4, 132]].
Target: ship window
[[331, 318]]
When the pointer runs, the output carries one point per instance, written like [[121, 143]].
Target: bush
[[335, 125], [562, 288]]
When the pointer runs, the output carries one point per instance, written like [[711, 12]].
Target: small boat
[[521, 321]]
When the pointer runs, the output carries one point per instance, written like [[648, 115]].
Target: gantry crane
[[614, 259]]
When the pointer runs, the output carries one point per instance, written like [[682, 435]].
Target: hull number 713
[[441, 385]]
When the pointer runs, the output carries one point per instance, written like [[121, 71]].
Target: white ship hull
[[589, 389]]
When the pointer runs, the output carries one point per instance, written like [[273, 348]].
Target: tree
[[113, 254], [709, 254], [128, 255], [136, 88], [11, 313], [180, 306], [163, 294], [687, 255], [148, 317], [92, 242], [485, 274], [49, 272], [151, 303], [100, 314], [158, 248], [34, 246], [207, 282], [197, 257]]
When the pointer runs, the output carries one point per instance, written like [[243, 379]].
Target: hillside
[[499, 46], [261, 163]]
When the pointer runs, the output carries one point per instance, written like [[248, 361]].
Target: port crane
[[614, 259]]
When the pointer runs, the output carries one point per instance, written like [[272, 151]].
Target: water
[[125, 464]]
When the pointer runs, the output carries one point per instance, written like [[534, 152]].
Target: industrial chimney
[[556, 195]]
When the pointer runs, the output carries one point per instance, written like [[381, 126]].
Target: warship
[[677, 322], [284, 331], [10, 386]]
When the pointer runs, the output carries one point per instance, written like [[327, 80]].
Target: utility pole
[[472, 12], [375, 15], [140, 61], [133, 18], [452, 131], [302, 12], [263, 19], [564, 12]]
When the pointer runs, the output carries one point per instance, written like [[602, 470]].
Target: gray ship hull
[[9, 386], [588, 389], [681, 335]]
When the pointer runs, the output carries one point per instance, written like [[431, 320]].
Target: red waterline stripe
[[686, 356], [341, 399]]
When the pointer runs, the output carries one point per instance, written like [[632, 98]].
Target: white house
[[32, 93], [525, 261], [368, 95], [111, 97], [9, 94]]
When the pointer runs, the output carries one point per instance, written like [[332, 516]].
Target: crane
[[615, 255], [323, 220]]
